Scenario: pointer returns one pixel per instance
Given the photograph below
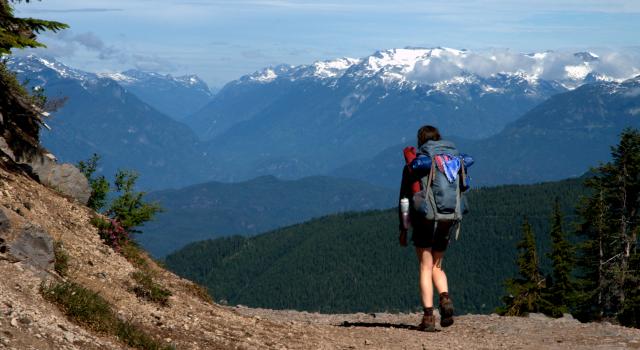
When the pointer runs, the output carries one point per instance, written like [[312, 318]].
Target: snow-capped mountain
[[342, 108], [175, 96], [446, 66], [101, 116], [40, 70]]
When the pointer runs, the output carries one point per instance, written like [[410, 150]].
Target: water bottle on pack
[[404, 210]]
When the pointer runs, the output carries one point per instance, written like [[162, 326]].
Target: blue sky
[[221, 40]]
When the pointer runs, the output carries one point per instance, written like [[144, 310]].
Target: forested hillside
[[352, 262]]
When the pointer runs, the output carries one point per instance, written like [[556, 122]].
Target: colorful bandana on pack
[[448, 165]]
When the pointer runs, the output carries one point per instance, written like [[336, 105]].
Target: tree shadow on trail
[[379, 324]]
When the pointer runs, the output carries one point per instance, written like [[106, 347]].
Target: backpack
[[438, 199]]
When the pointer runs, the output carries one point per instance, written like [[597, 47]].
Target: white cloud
[[556, 65]]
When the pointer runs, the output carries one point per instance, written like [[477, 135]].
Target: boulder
[[65, 178], [24, 242]]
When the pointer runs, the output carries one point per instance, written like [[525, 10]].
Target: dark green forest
[[352, 262]]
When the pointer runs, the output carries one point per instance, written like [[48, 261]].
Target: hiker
[[431, 232]]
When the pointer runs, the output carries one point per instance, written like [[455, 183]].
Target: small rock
[[367, 342], [102, 275], [24, 320], [68, 337], [168, 340], [39, 336], [14, 322], [63, 327], [28, 205]]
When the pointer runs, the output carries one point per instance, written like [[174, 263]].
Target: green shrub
[[99, 185], [89, 309], [61, 259], [129, 208], [146, 288]]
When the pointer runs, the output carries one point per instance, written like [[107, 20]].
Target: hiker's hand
[[403, 238]]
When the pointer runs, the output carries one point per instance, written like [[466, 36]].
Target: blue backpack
[[440, 199]]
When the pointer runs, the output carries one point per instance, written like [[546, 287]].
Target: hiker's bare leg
[[439, 277], [426, 277]]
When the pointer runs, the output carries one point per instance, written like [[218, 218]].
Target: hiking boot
[[428, 323], [446, 310]]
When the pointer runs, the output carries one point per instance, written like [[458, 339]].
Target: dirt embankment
[[27, 321]]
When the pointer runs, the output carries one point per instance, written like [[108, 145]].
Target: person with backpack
[[431, 201]]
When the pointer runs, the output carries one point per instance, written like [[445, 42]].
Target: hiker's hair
[[427, 133]]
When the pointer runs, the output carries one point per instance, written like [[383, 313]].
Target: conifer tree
[[610, 225], [559, 295], [129, 208], [21, 112], [21, 33], [525, 292]]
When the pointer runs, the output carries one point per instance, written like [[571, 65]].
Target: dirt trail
[[27, 321]]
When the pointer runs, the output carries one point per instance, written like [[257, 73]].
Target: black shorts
[[425, 237]]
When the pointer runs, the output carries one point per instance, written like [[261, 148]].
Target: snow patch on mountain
[[443, 67], [119, 77], [37, 64], [578, 72], [334, 68], [265, 76]]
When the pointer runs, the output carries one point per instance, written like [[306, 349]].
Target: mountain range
[[345, 117], [561, 137]]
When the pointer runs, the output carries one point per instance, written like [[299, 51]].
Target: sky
[[221, 40]]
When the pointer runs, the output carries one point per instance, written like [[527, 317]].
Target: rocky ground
[[27, 321]]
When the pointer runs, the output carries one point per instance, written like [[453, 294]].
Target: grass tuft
[[61, 259], [200, 292], [146, 288], [135, 255], [89, 309]]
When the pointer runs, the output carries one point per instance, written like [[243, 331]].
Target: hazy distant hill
[[352, 262], [561, 137], [215, 209]]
